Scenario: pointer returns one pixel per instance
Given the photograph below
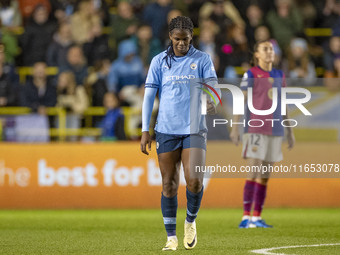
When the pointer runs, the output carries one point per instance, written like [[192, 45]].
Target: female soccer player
[[261, 145], [170, 74]]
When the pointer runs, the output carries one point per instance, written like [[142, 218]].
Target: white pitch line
[[267, 250]]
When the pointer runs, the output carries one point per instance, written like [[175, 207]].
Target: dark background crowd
[[102, 49]]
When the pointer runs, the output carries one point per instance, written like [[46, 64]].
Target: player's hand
[[211, 108], [145, 141], [235, 136], [291, 140]]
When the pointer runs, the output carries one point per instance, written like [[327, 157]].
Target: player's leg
[[273, 154], [192, 157], [194, 191], [169, 164], [248, 193], [260, 193], [169, 159], [253, 151]]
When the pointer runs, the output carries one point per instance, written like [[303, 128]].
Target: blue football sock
[[169, 211], [193, 204]]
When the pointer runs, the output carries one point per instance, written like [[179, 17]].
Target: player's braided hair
[[180, 22]]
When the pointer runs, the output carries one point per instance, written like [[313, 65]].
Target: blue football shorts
[[169, 142]]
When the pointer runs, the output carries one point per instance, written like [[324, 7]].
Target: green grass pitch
[[142, 232]]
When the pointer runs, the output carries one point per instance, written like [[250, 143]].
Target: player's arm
[[235, 132], [149, 98], [290, 133], [210, 78], [211, 107], [152, 83]]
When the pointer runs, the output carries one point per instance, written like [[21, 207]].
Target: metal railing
[[62, 132]]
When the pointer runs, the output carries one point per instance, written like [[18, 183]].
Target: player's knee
[[195, 185], [170, 188]]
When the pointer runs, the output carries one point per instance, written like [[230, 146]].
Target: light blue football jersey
[[175, 92]]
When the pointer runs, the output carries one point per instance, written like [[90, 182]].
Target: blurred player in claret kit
[[261, 145], [169, 74]]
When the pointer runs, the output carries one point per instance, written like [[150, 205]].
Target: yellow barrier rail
[[62, 132], [25, 71], [316, 32]]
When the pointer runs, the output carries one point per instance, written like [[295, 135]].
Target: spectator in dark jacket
[[8, 85], [76, 63], [62, 41], [148, 46], [113, 122], [155, 14], [38, 93], [37, 37], [97, 46], [285, 22], [331, 52]]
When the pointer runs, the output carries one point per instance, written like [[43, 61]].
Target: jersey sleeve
[[247, 80], [209, 72], [149, 99], [153, 79], [210, 78]]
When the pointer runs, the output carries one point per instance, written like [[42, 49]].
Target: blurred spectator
[[234, 52], [28, 7], [71, 97], [330, 12], [171, 15], [83, 21], [10, 42], [113, 123], [155, 14], [209, 25], [308, 12], [97, 46], [96, 86], [8, 87], [76, 63], [96, 82], [123, 25], [242, 5], [127, 74], [254, 20], [10, 15], [220, 18], [331, 51], [165, 31], [57, 50], [190, 8], [336, 27], [261, 33], [38, 92], [207, 43], [63, 9], [37, 36], [285, 22], [230, 11], [148, 47], [332, 81], [299, 64], [102, 9]]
